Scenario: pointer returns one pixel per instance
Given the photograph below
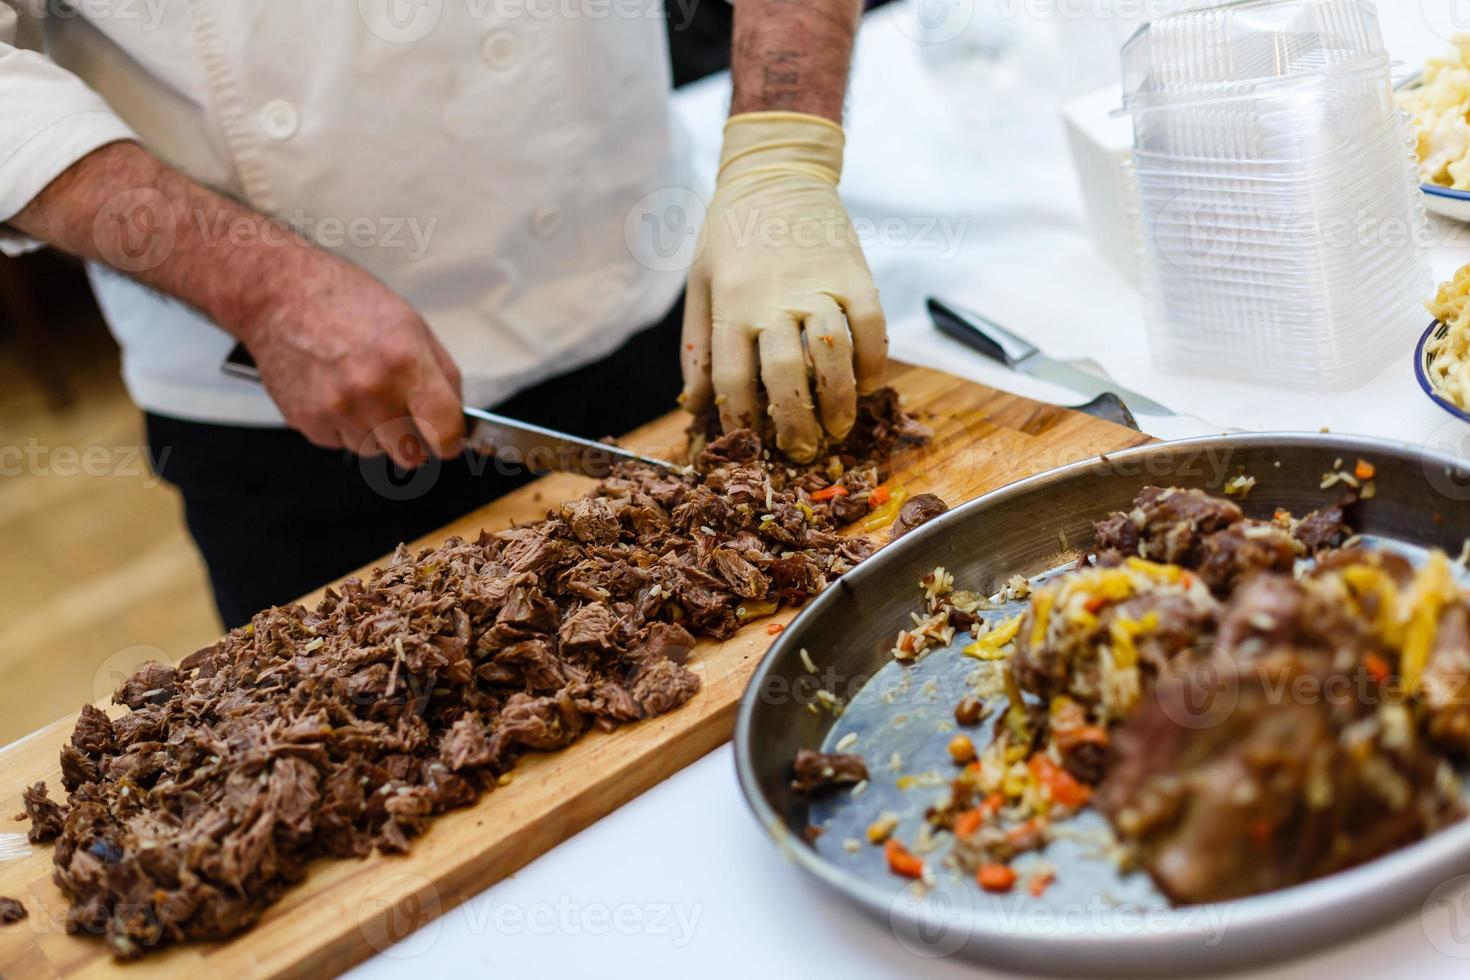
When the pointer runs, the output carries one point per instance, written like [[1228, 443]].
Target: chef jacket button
[[546, 222], [280, 120], [501, 50]]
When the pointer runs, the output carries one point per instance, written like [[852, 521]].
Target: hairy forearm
[[122, 206], [793, 55]]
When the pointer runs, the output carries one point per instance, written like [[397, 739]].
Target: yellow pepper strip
[[1433, 588], [992, 645], [1123, 633], [752, 609], [885, 515], [1041, 617], [1367, 580]]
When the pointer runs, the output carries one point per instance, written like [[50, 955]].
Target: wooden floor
[[96, 571]]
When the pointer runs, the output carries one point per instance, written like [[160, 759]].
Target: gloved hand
[[779, 263]]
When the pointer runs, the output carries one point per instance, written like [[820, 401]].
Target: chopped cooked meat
[[916, 511], [46, 815], [1166, 525], [593, 520], [11, 910], [94, 733], [815, 772], [1275, 609], [662, 686], [346, 728], [152, 683], [1323, 529], [1243, 549], [1278, 791], [1117, 534]]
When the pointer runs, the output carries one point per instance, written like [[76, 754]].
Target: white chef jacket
[[497, 162]]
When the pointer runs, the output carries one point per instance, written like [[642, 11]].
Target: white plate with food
[[1438, 104], [1085, 724]]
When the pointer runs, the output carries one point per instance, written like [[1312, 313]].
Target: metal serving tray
[[1093, 920]]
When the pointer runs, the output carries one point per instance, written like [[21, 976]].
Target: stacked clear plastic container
[[1277, 213]]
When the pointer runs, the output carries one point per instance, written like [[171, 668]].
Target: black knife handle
[[957, 327]]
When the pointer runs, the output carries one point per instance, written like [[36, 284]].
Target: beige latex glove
[[779, 286]]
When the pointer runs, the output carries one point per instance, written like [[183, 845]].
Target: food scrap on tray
[[347, 727], [1187, 606]]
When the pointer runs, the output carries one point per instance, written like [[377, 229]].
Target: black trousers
[[275, 517]]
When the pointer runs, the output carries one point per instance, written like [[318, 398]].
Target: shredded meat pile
[[347, 727]]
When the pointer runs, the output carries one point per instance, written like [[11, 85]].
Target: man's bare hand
[[351, 365]]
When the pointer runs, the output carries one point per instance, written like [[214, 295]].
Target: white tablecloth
[[681, 881]]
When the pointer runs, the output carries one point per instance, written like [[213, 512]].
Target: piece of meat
[[152, 683], [589, 632], [817, 772], [1117, 534], [1266, 792], [1168, 525], [1245, 548], [46, 815], [1324, 528], [11, 910], [917, 511], [661, 686], [592, 520], [94, 733], [466, 744]]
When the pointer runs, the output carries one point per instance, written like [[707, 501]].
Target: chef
[[401, 206]]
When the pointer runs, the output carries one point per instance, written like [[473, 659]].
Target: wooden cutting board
[[347, 910]]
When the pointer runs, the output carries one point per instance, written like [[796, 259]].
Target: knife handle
[[991, 339]]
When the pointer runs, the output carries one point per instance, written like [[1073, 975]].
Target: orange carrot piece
[[830, 493], [1365, 470], [996, 877], [879, 496], [1065, 790], [1377, 668], [968, 822], [1040, 883], [900, 861]]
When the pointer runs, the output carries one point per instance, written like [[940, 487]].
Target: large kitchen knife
[[514, 444], [1019, 354]]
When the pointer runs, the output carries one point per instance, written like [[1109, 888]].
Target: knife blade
[[540, 450], [511, 442], [1018, 354]]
